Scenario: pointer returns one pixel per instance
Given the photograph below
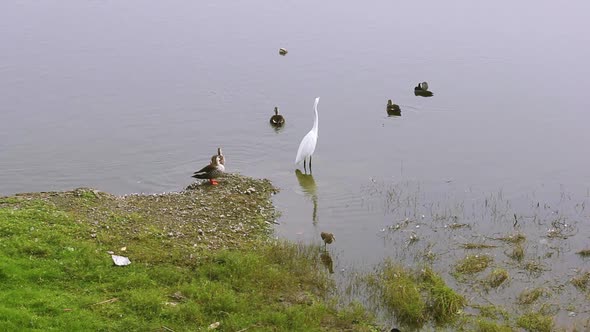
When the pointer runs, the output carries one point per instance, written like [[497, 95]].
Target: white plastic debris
[[214, 326], [120, 260]]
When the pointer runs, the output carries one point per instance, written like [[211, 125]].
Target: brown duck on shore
[[212, 171]]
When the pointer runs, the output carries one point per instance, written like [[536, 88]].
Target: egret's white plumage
[[307, 145]]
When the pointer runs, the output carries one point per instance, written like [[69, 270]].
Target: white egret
[[307, 145], [212, 171]]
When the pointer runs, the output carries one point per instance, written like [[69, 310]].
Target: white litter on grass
[[120, 260]]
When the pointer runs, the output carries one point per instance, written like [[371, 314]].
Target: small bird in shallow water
[[221, 156], [277, 120], [393, 109], [212, 171], [328, 238]]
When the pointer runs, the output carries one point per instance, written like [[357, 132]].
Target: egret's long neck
[[315, 122]]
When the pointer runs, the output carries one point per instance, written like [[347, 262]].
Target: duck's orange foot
[[213, 182]]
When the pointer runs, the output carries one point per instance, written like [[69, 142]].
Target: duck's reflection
[[309, 187], [327, 261]]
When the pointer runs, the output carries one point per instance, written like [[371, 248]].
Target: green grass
[[56, 274]]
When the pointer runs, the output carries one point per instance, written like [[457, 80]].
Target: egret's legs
[[304, 169], [309, 164]]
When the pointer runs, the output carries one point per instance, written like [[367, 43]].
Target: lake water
[[134, 96]]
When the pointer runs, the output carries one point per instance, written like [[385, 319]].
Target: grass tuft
[[444, 302], [473, 264], [483, 325], [528, 296], [517, 252], [581, 281], [513, 238], [417, 296], [534, 321], [497, 278]]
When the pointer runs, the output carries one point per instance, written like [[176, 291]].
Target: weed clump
[[528, 296], [497, 277], [443, 300], [401, 293], [417, 296], [513, 238], [473, 264], [477, 246], [584, 253], [483, 325], [534, 267], [517, 252], [581, 281], [537, 322], [491, 311]]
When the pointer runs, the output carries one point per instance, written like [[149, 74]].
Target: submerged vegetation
[[510, 258], [200, 259]]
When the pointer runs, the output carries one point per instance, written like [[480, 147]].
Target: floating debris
[[283, 51]]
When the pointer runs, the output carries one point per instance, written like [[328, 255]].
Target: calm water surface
[[133, 96]]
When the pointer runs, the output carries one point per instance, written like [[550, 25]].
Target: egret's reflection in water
[[309, 188]]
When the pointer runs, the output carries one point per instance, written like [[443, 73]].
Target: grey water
[[133, 96]]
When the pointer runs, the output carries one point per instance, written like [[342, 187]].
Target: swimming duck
[[393, 109], [212, 171], [277, 120], [221, 156], [422, 90], [328, 238], [422, 86], [283, 51]]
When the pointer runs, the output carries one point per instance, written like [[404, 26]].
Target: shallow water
[[134, 96]]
